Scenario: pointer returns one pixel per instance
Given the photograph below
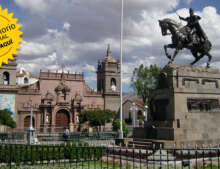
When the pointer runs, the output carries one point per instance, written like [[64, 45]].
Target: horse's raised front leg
[[175, 53], [167, 54]]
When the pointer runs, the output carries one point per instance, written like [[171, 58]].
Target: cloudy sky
[[75, 33]]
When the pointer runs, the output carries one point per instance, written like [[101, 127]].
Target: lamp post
[[146, 113], [31, 129], [121, 52], [133, 109]]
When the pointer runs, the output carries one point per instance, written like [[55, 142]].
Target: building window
[[113, 84], [26, 80], [6, 78]]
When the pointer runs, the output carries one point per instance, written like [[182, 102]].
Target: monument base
[[185, 107]]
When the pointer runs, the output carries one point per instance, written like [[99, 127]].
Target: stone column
[[71, 125], [44, 122], [53, 123], [52, 120]]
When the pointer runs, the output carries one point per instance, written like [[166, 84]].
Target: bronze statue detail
[[191, 37]]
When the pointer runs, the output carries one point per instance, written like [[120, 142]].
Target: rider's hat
[[191, 10]]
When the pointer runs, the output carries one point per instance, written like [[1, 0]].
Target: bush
[[116, 126], [96, 117], [141, 117], [32, 153], [6, 118]]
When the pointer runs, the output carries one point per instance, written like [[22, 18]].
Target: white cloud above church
[[78, 33]]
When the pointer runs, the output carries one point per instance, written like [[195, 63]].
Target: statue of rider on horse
[[190, 36]]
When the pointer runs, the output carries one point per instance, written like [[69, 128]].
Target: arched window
[[6, 78], [113, 84], [26, 80], [113, 81]]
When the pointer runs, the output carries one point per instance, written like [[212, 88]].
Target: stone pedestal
[[185, 107], [31, 135], [71, 127]]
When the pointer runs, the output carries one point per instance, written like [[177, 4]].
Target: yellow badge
[[9, 36]]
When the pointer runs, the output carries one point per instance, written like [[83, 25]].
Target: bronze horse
[[180, 39]]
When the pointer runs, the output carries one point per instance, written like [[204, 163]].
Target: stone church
[[56, 99]]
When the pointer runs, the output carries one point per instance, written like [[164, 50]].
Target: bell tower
[[108, 81], [8, 74], [8, 87]]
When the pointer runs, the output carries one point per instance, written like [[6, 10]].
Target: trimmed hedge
[[33, 153]]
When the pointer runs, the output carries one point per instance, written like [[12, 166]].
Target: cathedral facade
[[56, 99]]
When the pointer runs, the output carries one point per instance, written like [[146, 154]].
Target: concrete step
[[157, 143], [146, 143], [140, 142], [140, 145]]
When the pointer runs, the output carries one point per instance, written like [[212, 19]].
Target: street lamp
[[146, 113], [133, 109], [31, 128], [121, 52]]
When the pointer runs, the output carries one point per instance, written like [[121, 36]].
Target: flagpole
[[121, 52]]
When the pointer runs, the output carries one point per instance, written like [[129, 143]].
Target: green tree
[[6, 118], [144, 80], [96, 117], [116, 126]]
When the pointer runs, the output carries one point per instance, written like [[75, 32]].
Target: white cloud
[[53, 56], [36, 6], [188, 2], [215, 65], [66, 26], [126, 80], [89, 26], [33, 48], [88, 67], [91, 78]]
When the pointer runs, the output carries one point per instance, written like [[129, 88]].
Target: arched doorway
[[62, 119], [27, 122]]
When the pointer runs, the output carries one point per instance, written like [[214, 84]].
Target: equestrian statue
[[191, 36]]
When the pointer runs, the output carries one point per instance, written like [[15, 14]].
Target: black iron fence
[[81, 155]]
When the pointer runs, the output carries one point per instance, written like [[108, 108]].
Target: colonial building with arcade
[[56, 99]]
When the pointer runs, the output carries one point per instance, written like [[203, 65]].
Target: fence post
[[127, 155], [120, 157], [10, 154], [153, 154], [140, 155], [174, 146], [89, 158], [182, 148], [76, 154], [210, 151], [147, 157], [31, 154], [160, 156], [102, 148], [196, 155], [95, 156], [218, 155]]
